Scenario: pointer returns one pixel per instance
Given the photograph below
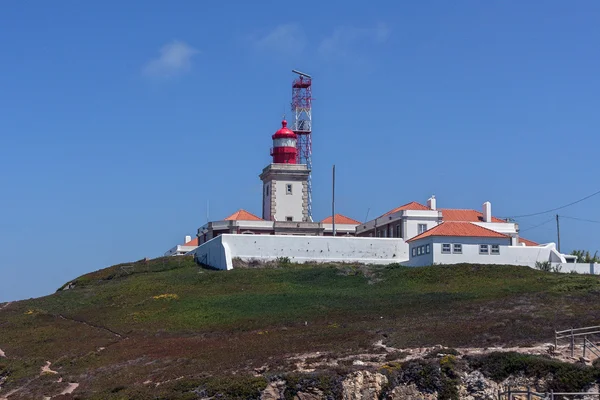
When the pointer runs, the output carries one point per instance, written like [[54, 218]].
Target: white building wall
[[267, 192], [220, 251], [288, 205], [509, 255], [470, 251]]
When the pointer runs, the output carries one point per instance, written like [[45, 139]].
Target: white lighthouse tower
[[285, 183]]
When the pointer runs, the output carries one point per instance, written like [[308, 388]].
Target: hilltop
[[167, 326]]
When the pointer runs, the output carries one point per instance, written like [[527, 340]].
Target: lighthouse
[[284, 145], [285, 183]]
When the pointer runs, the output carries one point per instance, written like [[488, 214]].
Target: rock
[[410, 392], [478, 387], [274, 391], [363, 385], [311, 394]]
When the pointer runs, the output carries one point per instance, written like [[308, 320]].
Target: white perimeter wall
[[219, 252], [580, 268]]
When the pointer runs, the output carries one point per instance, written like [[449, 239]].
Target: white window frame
[[414, 251], [457, 248], [449, 248], [419, 250], [495, 249], [421, 228], [288, 189], [482, 247], [427, 248]]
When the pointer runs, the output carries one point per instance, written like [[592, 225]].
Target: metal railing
[[510, 394], [573, 333]]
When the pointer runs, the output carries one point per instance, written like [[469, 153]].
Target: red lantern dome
[[284, 145]]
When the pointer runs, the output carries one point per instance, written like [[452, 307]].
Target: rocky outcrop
[[363, 385], [410, 392]]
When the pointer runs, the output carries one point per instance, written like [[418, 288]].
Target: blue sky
[[120, 120]]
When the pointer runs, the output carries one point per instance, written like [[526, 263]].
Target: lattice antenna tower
[[302, 109]]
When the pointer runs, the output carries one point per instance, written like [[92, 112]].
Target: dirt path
[[5, 305], [46, 369], [70, 389], [117, 334]]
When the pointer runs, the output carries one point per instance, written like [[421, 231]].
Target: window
[[289, 219], [446, 248], [422, 228], [419, 250], [457, 248], [495, 249], [414, 251], [483, 249], [428, 249], [288, 188]]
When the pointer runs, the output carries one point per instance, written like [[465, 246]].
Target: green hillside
[[167, 320]]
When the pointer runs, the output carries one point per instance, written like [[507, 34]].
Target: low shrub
[[558, 376]]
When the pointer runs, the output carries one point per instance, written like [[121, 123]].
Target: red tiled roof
[[341, 219], [460, 229], [451, 214], [413, 205], [243, 215], [193, 242], [528, 242]]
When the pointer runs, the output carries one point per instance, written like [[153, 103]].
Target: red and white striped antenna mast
[[302, 109]]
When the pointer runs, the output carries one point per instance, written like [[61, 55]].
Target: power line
[[581, 219], [557, 208], [537, 226]]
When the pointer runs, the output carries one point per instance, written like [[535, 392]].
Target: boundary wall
[[219, 252]]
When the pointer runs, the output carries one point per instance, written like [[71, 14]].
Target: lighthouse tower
[[285, 183]]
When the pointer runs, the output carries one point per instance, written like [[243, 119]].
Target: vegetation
[[558, 376], [585, 257], [122, 331]]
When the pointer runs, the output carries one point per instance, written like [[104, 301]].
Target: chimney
[[187, 239], [487, 212], [431, 203]]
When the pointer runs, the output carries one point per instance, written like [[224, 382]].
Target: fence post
[[572, 343], [528, 393], [584, 345], [552, 394]]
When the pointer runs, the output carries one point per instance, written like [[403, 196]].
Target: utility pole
[[558, 232], [333, 200]]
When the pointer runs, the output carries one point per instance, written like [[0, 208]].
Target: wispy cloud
[[175, 58], [284, 39], [345, 39]]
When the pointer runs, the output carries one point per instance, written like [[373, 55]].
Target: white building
[[467, 242], [188, 245]]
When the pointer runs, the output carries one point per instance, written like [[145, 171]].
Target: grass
[[175, 319]]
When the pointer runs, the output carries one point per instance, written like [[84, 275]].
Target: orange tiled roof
[[452, 214], [193, 242], [528, 242], [413, 205], [341, 219], [243, 215], [461, 229]]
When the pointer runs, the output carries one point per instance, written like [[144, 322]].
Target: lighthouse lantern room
[[284, 145]]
